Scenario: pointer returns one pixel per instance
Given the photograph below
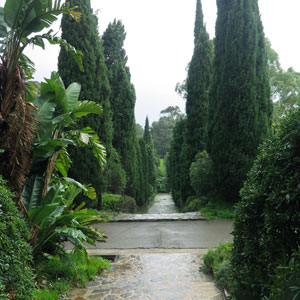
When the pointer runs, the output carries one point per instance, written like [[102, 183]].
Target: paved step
[[151, 276], [192, 216]]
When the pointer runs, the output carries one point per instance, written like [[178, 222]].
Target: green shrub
[[215, 257], [266, 229], [118, 203], [286, 280], [201, 174], [16, 276], [161, 184], [193, 204], [114, 174], [217, 263]]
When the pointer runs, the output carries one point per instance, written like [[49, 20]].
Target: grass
[[162, 167], [210, 207], [57, 275], [218, 210]]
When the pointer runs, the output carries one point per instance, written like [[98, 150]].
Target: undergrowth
[[58, 274]]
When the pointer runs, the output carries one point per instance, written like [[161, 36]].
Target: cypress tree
[[150, 154], [197, 83], [122, 102], [240, 109], [197, 88], [94, 86], [175, 163]]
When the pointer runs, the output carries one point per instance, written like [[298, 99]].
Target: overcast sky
[[159, 43]]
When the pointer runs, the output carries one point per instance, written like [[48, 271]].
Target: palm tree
[[19, 19]]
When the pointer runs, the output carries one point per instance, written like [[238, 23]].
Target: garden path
[[156, 273]]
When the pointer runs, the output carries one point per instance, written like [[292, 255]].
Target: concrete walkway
[[156, 259]]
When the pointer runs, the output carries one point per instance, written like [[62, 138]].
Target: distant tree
[[139, 130], [94, 86], [285, 85], [122, 102], [162, 129], [240, 108]]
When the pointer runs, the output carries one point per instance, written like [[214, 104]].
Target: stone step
[[158, 217]]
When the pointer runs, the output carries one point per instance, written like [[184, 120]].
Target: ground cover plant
[[216, 262], [58, 274]]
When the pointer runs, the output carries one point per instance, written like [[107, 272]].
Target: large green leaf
[[85, 107], [46, 214], [73, 92], [54, 195], [46, 108], [12, 12], [32, 192], [3, 27]]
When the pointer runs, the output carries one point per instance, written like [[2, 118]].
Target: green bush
[[266, 229], [193, 204], [201, 174], [286, 280], [114, 174], [16, 276], [118, 203], [217, 263]]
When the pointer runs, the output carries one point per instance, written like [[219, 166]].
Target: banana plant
[[54, 219], [21, 21], [49, 204], [59, 111]]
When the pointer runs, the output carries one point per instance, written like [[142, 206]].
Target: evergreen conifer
[[240, 109], [122, 102], [94, 86]]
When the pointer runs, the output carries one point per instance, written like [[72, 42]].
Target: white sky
[[159, 43]]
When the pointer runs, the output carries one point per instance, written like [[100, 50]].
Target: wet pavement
[[151, 276], [157, 259], [165, 235]]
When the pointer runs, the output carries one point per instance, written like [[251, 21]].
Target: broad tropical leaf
[[85, 107], [32, 192], [72, 94]]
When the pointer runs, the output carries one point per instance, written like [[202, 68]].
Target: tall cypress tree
[[198, 82], [122, 102], [150, 154], [94, 86], [240, 108], [197, 88]]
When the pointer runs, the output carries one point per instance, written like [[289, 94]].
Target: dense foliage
[[175, 163], [16, 275], [20, 25], [201, 174], [94, 86], [122, 102], [216, 262], [240, 108], [266, 229], [197, 87], [119, 203]]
